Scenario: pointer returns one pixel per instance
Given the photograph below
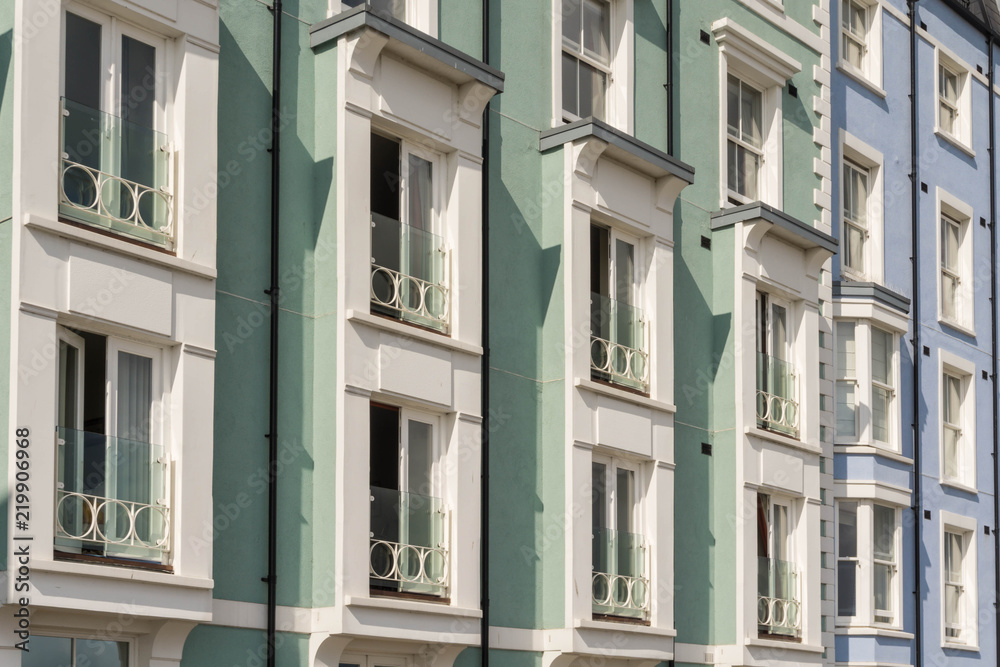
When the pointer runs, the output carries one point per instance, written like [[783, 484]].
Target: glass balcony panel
[[115, 174], [777, 406], [409, 266], [617, 349], [408, 551], [779, 610], [111, 496], [620, 583]]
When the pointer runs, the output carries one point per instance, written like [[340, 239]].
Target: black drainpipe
[[914, 187], [993, 313], [484, 531], [272, 291], [670, 77]]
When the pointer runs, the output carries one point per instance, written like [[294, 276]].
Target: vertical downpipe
[[914, 260], [484, 540], [993, 314], [670, 78], [272, 291]]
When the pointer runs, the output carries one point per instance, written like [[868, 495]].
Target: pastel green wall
[[706, 486], [6, 231], [307, 375], [460, 24], [212, 646]]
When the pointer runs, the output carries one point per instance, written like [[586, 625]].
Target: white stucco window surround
[[868, 548], [618, 199], [953, 100], [861, 210], [593, 46], [750, 144], [955, 276], [409, 193], [869, 322], [959, 582], [421, 14], [859, 47], [957, 421]]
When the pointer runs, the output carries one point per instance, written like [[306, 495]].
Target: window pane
[[953, 555], [592, 87], [571, 22], [750, 115], [421, 198], [846, 409], [950, 237], [882, 586], [570, 84], [947, 119], [600, 256], [624, 271], [854, 251], [383, 447], [94, 653], [779, 546], [853, 51], [847, 575], [597, 29], [847, 530], [134, 397], [952, 444], [138, 82], [625, 500], [48, 652], [779, 331], [880, 414], [419, 458], [68, 386], [949, 296], [599, 497], [733, 107], [385, 178], [881, 356], [846, 364], [884, 532], [82, 64], [952, 399]]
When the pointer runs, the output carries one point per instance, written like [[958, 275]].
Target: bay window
[[116, 170], [777, 394], [866, 378], [779, 595], [620, 557], [868, 583], [618, 328], [49, 651], [112, 468], [408, 552], [410, 260], [744, 113]]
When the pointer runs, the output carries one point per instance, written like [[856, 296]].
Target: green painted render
[[460, 24], [212, 646], [705, 520], [307, 327], [6, 238]]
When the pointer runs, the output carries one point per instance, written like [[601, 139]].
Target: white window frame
[[612, 465], [965, 372], [619, 112], [853, 150], [848, 379], [864, 382], [966, 527], [870, 72], [113, 29], [865, 612], [129, 640], [951, 208], [419, 14], [754, 60], [406, 415], [759, 151], [961, 137]]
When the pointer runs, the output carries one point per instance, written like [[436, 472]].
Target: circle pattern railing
[[116, 199], [410, 296], [112, 522], [777, 411], [408, 564], [620, 593], [619, 363], [777, 614]]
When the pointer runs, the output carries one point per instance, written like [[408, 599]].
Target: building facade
[[363, 334]]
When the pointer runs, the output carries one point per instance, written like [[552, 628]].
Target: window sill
[[627, 396], [785, 440], [961, 328], [873, 631], [972, 648], [614, 626], [407, 331], [955, 141], [91, 237], [858, 76], [113, 572], [412, 606], [791, 645], [872, 450], [955, 484]]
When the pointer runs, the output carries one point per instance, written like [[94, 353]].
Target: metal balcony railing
[[779, 606], [408, 551], [777, 403], [409, 274], [115, 174], [618, 343], [111, 496], [620, 584]]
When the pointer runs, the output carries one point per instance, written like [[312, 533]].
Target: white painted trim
[[872, 450], [787, 25], [846, 308], [627, 396], [872, 490], [767, 64], [393, 327]]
